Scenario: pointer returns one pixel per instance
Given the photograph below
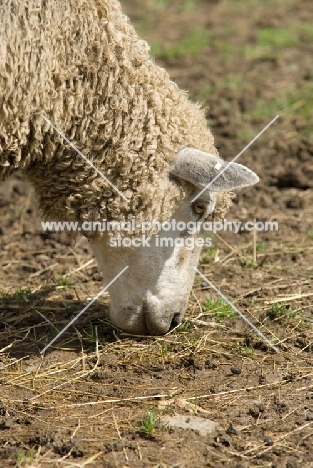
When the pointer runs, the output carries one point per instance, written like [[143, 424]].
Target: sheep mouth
[[147, 319], [160, 324], [176, 320]]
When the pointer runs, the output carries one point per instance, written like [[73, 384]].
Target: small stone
[[7, 422], [268, 441], [235, 370], [309, 416], [201, 426], [231, 430]]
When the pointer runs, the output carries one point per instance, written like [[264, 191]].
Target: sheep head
[[152, 295]]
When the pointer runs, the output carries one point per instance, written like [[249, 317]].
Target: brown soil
[[84, 403]]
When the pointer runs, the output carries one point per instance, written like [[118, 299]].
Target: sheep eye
[[199, 207]]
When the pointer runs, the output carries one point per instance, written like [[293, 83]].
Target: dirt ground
[[99, 398]]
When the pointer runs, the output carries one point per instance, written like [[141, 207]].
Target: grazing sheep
[[81, 64]]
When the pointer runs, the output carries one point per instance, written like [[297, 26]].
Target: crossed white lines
[[218, 166]]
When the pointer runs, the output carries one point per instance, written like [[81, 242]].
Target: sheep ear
[[202, 169]]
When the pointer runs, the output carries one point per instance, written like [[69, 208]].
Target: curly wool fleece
[[81, 64]]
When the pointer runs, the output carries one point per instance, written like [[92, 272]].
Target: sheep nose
[[160, 326], [175, 321]]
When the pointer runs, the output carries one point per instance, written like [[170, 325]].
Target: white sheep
[[81, 64]]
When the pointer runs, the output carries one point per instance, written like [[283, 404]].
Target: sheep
[[81, 64]]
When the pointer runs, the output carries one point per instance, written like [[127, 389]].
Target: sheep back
[[81, 64]]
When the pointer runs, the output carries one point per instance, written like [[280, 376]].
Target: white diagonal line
[[235, 158], [84, 158], [238, 312], [82, 311]]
